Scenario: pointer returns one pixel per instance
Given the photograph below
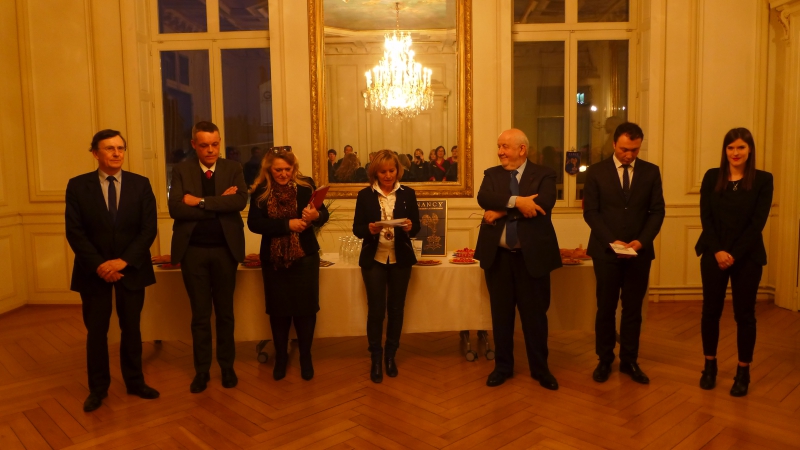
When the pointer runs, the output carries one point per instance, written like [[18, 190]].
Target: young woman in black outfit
[[281, 213], [386, 255], [735, 200]]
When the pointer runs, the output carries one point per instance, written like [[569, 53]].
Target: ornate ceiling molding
[[786, 9]]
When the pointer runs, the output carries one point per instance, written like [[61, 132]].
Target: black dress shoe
[[635, 372], [199, 383], [741, 381], [306, 368], [279, 371], [144, 391], [602, 372], [546, 380], [391, 367], [376, 372], [229, 378], [497, 378], [94, 400]]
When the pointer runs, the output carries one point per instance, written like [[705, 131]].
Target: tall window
[[214, 65], [571, 83]]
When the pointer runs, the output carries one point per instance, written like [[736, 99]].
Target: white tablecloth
[[446, 297]]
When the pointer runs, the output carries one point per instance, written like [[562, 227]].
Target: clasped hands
[[310, 214], [191, 200], [110, 270], [375, 228], [635, 245], [526, 205], [724, 260]]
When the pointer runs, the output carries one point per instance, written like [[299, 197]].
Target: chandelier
[[398, 87]]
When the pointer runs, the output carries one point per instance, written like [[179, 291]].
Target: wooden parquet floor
[[438, 401]]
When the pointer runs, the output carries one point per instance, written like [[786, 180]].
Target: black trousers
[[629, 276], [511, 286], [386, 286], [96, 304], [304, 327], [745, 277], [209, 275]]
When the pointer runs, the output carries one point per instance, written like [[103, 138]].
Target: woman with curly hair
[[281, 212]]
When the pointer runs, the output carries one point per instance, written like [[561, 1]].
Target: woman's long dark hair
[[750, 165]]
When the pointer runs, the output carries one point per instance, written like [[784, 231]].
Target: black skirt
[[292, 291]]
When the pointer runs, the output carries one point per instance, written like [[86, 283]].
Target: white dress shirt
[[385, 253], [206, 169], [620, 169], [104, 185]]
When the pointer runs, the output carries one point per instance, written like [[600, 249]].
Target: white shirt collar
[[377, 188], [103, 176], [206, 169], [521, 167], [617, 164]]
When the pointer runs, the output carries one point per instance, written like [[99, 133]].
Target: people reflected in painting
[[452, 171], [439, 165], [419, 167], [350, 170], [332, 166]]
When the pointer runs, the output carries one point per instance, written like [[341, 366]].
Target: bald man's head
[[512, 148]]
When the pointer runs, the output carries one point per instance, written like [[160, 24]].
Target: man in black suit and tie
[[517, 248], [205, 199], [111, 223], [623, 205]]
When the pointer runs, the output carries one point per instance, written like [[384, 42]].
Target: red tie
[[209, 174]]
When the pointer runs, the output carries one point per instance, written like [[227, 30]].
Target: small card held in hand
[[319, 196], [622, 250]]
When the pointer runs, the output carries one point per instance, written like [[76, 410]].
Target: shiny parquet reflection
[[438, 401]]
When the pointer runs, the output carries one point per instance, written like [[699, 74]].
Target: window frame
[[213, 41], [570, 32]]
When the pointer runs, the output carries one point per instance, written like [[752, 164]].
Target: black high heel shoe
[[741, 381], [279, 372], [306, 367], [709, 378], [391, 366], [376, 370]]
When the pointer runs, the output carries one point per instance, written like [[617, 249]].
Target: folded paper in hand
[[319, 196], [622, 250], [391, 223]]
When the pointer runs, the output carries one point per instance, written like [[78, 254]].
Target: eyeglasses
[[281, 149], [112, 149]]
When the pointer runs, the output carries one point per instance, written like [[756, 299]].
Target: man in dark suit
[[623, 205], [205, 199], [111, 223], [517, 248]]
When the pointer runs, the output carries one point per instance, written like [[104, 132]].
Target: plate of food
[[161, 259], [465, 252], [169, 266], [571, 261], [463, 261], [428, 262], [574, 253]]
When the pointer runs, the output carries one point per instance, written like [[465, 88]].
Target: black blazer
[[368, 210], [259, 221], [95, 239], [611, 218], [537, 237], [186, 180], [752, 212]]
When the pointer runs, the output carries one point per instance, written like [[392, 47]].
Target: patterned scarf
[[282, 204]]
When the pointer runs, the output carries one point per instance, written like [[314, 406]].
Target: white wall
[[67, 73]]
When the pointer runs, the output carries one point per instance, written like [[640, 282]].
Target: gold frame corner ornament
[[316, 48]]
